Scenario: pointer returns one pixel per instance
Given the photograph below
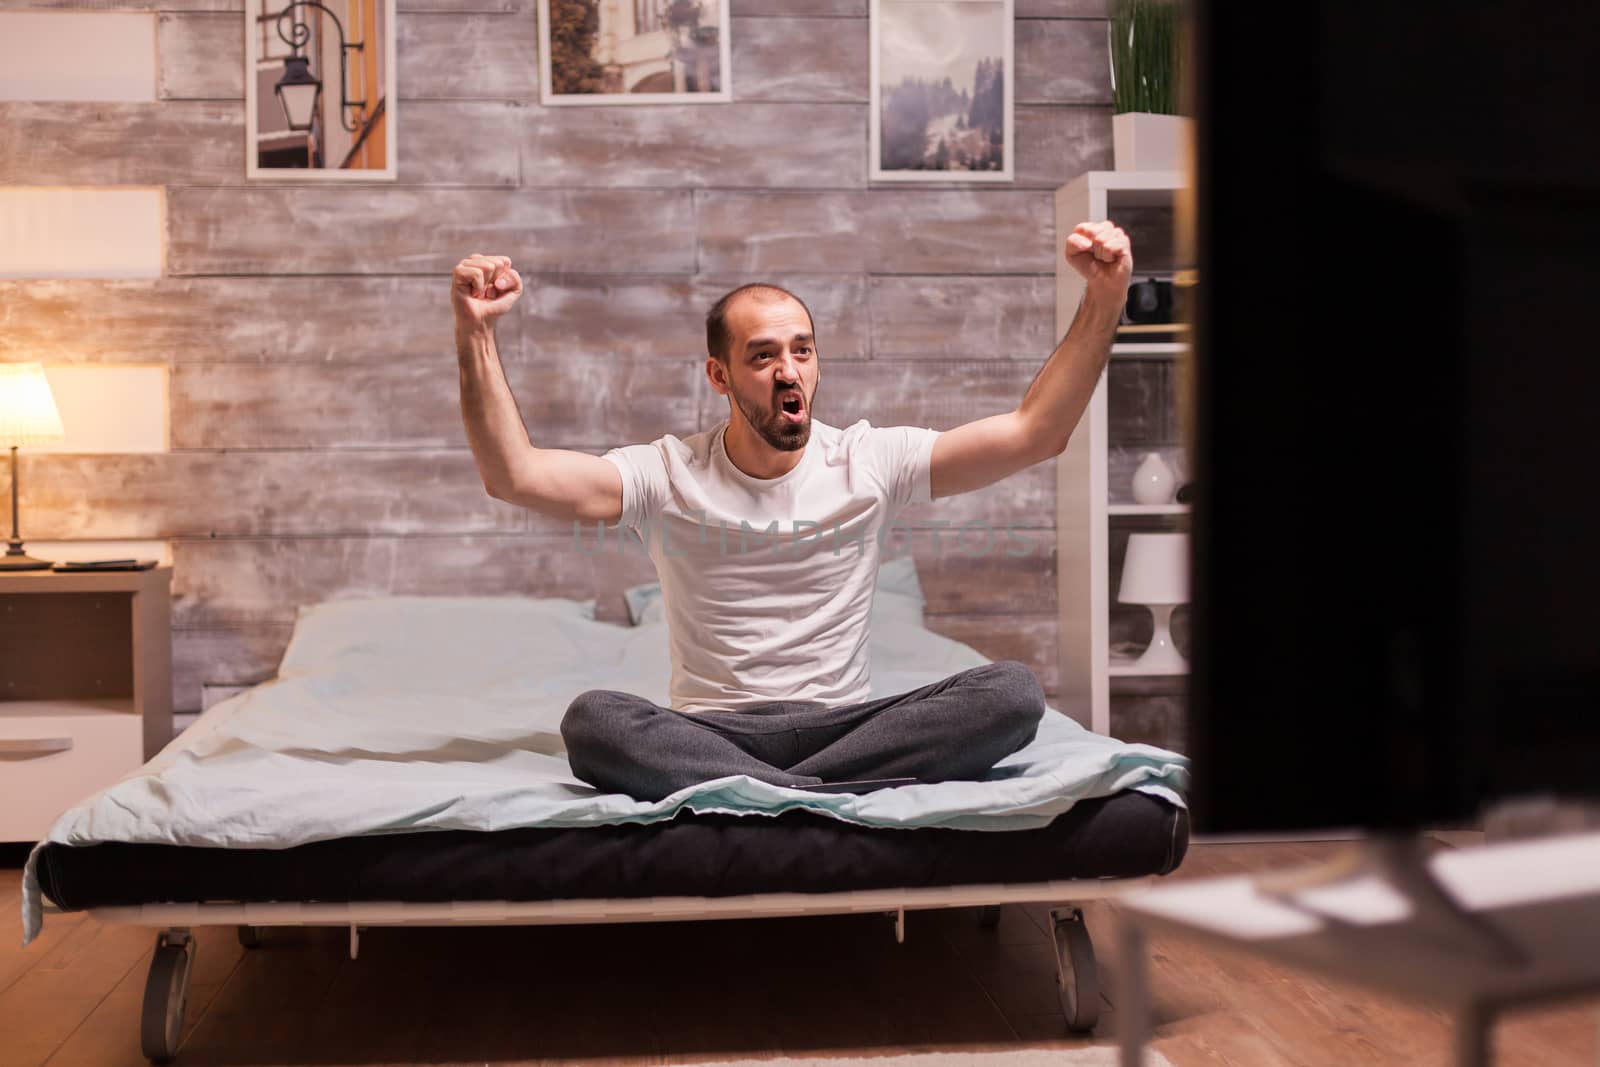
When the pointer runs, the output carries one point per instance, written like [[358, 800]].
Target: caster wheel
[[1077, 978], [989, 916], [166, 993], [249, 936]]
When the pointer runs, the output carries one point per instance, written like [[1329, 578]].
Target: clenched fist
[[483, 288], [1100, 251]]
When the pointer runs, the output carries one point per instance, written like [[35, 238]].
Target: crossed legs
[[955, 729]]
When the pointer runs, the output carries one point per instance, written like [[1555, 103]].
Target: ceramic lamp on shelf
[[27, 417], [1155, 572]]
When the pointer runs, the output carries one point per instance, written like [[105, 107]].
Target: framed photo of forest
[[634, 51], [941, 90]]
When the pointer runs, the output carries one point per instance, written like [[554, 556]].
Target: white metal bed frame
[[166, 988]]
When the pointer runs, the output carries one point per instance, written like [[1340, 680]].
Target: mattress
[[1126, 834]]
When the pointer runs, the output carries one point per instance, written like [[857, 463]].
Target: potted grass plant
[[1145, 38]]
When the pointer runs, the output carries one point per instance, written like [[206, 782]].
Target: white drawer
[[55, 753]]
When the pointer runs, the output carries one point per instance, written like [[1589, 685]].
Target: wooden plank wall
[[317, 441]]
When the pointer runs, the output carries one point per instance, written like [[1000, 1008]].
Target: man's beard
[[774, 429]]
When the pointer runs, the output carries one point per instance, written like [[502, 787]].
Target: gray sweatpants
[[952, 730]]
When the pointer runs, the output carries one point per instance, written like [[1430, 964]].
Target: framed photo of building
[[319, 78], [634, 52], [941, 84]]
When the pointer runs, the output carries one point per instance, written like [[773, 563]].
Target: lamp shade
[[1156, 569], [28, 413]]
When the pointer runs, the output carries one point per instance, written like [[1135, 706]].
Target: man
[[764, 532]]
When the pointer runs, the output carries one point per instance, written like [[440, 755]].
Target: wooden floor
[[693, 992]]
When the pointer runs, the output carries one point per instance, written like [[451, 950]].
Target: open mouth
[[793, 410]]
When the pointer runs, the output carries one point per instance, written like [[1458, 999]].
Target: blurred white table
[[1542, 895]]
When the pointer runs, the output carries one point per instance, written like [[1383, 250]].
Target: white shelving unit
[[1147, 509], [1129, 669], [1146, 349], [1083, 509]]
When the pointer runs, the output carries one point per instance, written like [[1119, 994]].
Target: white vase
[[1153, 482], [1143, 141]]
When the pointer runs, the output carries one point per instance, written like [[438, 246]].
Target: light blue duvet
[[400, 714]]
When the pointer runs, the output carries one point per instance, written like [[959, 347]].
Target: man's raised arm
[[555, 482], [986, 450], [1060, 393]]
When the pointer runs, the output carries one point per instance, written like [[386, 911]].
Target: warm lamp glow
[[28, 413], [28, 416]]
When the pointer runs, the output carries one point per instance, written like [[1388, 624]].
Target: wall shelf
[[1147, 509], [1127, 669], [1148, 349]]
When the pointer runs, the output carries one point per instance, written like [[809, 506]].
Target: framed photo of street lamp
[[319, 90], [634, 52], [941, 88]]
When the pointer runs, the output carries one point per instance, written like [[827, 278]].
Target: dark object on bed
[[1129, 834], [861, 785]]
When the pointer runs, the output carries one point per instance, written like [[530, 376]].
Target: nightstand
[[85, 687]]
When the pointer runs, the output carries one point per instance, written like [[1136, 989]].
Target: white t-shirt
[[767, 584]]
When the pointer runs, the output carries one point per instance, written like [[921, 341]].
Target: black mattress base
[[1126, 835]]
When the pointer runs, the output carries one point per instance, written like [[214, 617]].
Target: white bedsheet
[[401, 714]]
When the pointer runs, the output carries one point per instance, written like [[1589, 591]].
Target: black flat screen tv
[[1396, 583]]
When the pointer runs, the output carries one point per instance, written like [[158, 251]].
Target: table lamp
[[1155, 572], [27, 417]]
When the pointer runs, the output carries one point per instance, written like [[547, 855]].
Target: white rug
[[1094, 1056]]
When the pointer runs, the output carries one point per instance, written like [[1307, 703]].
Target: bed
[[405, 767]]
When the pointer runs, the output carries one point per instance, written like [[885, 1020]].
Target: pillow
[[644, 603], [899, 592], [899, 596], [397, 631]]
